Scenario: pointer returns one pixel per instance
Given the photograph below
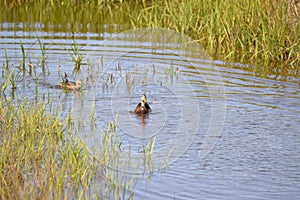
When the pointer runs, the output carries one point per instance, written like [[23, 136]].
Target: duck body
[[143, 107], [70, 85]]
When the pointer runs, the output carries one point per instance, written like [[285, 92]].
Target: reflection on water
[[143, 117], [256, 156]]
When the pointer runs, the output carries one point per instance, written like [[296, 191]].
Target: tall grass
[[10, 78], [76, 55], [6, 60], [41, 158], [24, 55], [260, 33], [43, 54]]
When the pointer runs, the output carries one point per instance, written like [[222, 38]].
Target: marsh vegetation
[[262, 35], [41, 157]]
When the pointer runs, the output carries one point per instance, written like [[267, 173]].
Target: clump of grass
[[76, 56], [147, 154], [41, 158], [35, 156]]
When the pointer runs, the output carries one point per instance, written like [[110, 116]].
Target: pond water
[[219, 131]]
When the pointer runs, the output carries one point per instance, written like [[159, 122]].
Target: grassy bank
[[262, 34], [41, 158]]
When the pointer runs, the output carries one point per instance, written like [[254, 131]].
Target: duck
[[70, 85], [142, 107]]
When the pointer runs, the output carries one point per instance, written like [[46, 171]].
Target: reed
[[6, 60], [148, 152], [23, 63], [12, 81], [10, 78], [92, 113], [43, 49]]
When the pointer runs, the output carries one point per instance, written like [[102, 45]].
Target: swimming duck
[[69, 85], [142, 107]]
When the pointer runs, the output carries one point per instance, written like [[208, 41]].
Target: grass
[[76, 56], [24, 55], [263, 35], [43, 49], [12, 81], [9, 79], [41, 157], [6, 60]]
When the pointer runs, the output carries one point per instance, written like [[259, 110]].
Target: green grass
[[262, 34], [9, 79], [76, 56], [24, 55], [43, 49], [6, 60], [41, 157]]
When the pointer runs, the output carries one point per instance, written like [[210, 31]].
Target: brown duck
[[143, 107], [70, 85]]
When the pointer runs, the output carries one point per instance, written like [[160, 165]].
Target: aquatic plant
[[23, 63], [147, 154], [43, 54], [92, 113], [76, 55], [10, 78], [6, 59], [12, 81]]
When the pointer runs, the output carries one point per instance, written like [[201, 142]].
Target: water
[[252, 152]]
